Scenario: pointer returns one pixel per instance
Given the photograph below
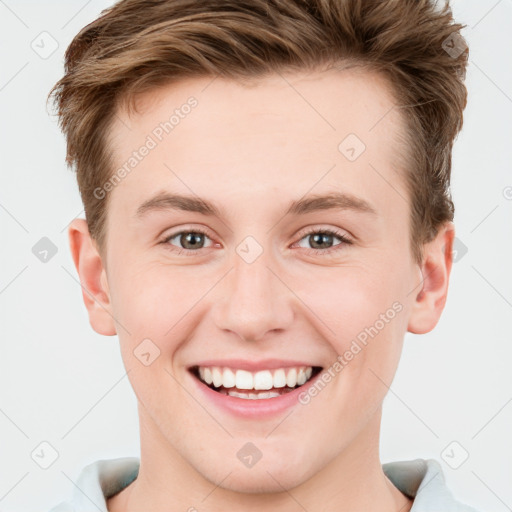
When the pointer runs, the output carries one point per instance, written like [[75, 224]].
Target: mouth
[[254, 385]]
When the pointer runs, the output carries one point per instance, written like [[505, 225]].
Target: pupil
[[321, 239]]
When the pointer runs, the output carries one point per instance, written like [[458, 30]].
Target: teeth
[[217, 377], [280, 378], [244, 380], [262, 380], [291, 378], [270, 394], [228, 378], [206, 375], [254, 396]]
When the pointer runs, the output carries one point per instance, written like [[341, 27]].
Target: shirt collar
[[420, 479]]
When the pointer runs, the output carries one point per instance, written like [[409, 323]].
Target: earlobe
[[93, 278], [433, 289]]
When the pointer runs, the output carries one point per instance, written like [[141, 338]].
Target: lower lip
[[254, 408]]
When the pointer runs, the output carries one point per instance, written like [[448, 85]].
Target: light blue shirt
[[420, 479]]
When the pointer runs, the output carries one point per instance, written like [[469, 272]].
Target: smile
[[262, 384]]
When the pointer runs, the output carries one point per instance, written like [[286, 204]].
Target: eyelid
[[325, 229], [186, 229]]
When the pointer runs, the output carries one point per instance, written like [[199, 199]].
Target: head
[[314, 144]]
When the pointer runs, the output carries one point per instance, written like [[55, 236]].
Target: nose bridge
[[254, 300]]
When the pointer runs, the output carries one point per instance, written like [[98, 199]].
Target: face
[[300, 267]]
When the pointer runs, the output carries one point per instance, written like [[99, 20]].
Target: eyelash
[[324, 252]]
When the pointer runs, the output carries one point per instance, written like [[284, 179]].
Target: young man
[[266, 187]]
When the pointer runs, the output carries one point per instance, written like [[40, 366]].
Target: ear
[[435, 269], [93, 278]]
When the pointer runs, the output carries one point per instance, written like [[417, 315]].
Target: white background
[[62, 383]]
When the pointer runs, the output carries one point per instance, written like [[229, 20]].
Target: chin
[[270, 476], [251, 482]]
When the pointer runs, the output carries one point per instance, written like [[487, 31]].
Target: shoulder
[[424, 480], [98, 481]]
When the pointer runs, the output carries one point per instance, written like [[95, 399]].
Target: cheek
[[153, 292], [350, 299], [363, 319], [151, 301]]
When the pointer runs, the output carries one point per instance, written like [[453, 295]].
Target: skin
[[252, 150]]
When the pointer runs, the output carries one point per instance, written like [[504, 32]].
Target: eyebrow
[[309, 204]]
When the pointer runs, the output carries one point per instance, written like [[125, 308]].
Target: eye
[[190, 241], [193, 240], [321, 240]]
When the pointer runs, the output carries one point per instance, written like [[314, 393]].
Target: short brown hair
[[138, 45]]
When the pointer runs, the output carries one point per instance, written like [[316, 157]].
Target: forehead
[[334, 100], [281, 132]]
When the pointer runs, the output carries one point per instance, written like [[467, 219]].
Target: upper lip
[[254, 366]]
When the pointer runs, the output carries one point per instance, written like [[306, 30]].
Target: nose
[[255, 300]]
